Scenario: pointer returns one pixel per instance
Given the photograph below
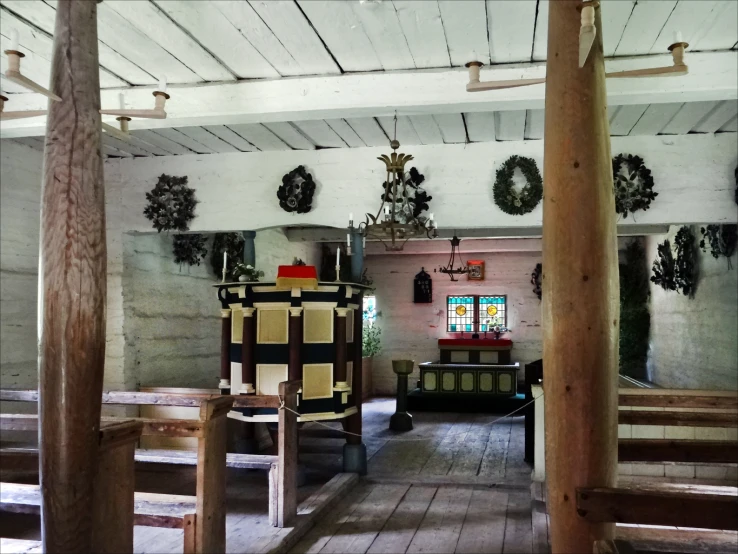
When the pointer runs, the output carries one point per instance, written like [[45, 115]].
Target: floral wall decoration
[[189, 249], [507, 198], [721, 239], [171, 204], [678, 273], [632, 184], [232, 243], [296, 191]]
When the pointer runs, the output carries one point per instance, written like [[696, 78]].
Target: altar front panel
[[492, 379]]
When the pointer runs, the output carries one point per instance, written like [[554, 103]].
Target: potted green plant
[[371, 344], [247, 273]]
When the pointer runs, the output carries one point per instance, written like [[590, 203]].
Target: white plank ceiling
[[654, 119], [201, 41], [222, 40]]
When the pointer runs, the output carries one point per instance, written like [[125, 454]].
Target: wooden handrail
[[680, 419], [687, 451]]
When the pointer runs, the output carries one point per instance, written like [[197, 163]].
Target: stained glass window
[[460, 314], [470, 314], [370, 310]]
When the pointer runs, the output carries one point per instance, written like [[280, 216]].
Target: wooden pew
[[702, 506], [668, 450], [114, 489]]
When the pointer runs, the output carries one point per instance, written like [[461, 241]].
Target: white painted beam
[[712, 76], [693, 175]]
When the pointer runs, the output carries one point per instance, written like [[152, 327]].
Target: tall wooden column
[[580, 282], [72, 284]]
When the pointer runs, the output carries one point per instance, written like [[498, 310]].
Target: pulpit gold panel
[[318, 326], [272, 326], [350, 325], [237, 326], [317, 381], [268, 378]]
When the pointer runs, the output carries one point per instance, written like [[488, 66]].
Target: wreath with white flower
[[507, 197], [632, 184]]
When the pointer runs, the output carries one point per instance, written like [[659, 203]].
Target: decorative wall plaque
[[423, 288]]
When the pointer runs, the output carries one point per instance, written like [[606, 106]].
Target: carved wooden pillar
[[225, 349], [72, 284], [340, 376], [580, 282], [295, 361], [248, 344]]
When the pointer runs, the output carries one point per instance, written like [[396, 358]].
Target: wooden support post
[[340, 342], [580, 282], [294, 372], [357, 380], [248, 359], [210, 523], [72, 282], [225, 350], [287, 446]]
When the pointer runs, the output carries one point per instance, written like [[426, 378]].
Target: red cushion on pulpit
[[297, 272]]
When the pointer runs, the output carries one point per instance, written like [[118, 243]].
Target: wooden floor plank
[[518, 524], [439, 531], [494, 457], [484, 527], [400, 529], [444, 453], [359, 531]]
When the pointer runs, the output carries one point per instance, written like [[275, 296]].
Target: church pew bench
[[152, 510], [700, 506], [649, 538], [677, 450], [113, 499]]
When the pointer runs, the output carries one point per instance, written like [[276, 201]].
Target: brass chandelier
[[396, 221]]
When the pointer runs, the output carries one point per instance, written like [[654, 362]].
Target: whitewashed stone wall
[[694, 342], [273, 249], [411, 331]]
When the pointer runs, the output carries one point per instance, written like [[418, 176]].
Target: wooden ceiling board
[[722, 29], [294, 31], [208, 139], [137, 46], [180, 138], [112, 152], [730, 127], [369, 130], [229, 136], [162, 142], [689, 115], [690, 18], [644, 25], [421, 23], [43, 16], [655, 118], [510, 26], [406, 133], [510, 125], [480, 126], [382, 26], [534, 123], [290, 135], [452, 128], [339, 27], [427, 129], [124, 146], [540, 38], [215, 32], [150, 20], [243, 17], [624, 118], [717, 117], [141, 144], [259, 136], [34, 40], [346, 132], [465, 26], [320, 133], [615, 16]]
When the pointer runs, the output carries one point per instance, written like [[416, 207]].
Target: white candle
[[363, 242], [351, 219], [348, 239], [122, 101], [678, 37], [431, 216], [338, 257], [14, 39], [163, 83], [225, 260]]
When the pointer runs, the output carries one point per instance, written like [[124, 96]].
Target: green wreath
[[507, 198]]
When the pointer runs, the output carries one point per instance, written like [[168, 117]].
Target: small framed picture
[[476, 270]]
